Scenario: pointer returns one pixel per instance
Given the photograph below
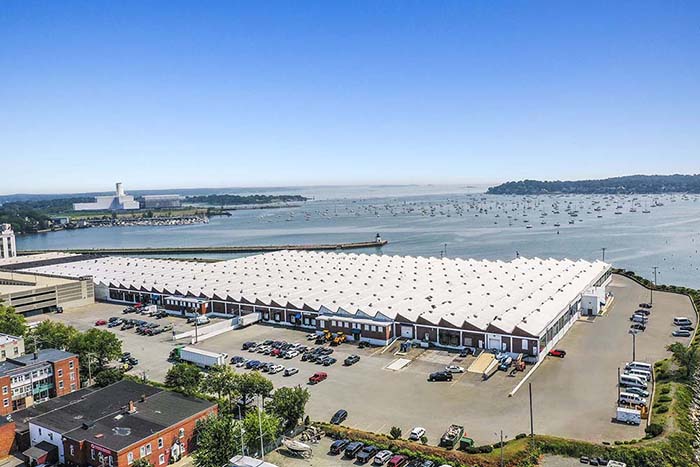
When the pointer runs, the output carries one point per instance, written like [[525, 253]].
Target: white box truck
[[202, 358], [629, 416], [247, 320]]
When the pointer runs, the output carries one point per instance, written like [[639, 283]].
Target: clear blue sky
[[231, 93]]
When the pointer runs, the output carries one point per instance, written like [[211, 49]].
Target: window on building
[[16, 350], [130, 458], [60, 385], [5, 402], [524, 344], [160, 443], [72, 387], [148, 448], [161, 459], [72, 376], [181, 433], [72, 450], [142, 451], [92, 454], [60, 372], [4, 389]]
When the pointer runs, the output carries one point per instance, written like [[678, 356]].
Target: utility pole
[[634, 346], [618, 383], [532, 420], [262, 447], [651, 289], [603, 252], [502, 464]]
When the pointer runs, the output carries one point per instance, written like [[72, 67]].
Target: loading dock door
[[407, 332], [494, 343]]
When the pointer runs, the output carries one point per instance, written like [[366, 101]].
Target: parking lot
[[573, 397]]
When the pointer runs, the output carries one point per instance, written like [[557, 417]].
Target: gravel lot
[[573, 397]]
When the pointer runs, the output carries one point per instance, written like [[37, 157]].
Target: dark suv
[[339, 417], [366, 454], [353, 448], [338, 446]]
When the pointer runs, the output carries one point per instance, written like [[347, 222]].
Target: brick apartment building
[[114, 426], [29, 379]]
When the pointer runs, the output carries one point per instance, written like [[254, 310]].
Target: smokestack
[[120, 190], [132, 407]]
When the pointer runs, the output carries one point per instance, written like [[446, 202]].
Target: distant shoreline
[[628, 185]]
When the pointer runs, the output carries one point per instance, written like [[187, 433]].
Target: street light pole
[[651, 289], [603, 252], [502, 464], [634, 346], [532, 420]]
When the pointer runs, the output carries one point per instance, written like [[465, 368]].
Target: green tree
[[218, 440], [221, 381], [51, 335], [256, 421], [289, 404], [184, 378], [687, 358], [11, 322], [253, 383], [95, 347], [108, 376], [395, 432]]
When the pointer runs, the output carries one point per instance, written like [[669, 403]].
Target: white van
[[629, 398], [680, 321], [639, 366], [631, 381], [645, 375]]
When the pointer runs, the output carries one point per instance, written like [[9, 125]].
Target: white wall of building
[[8, 247], [38, 434], [120, 201]]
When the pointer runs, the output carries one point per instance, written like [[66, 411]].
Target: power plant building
[[120, 201]]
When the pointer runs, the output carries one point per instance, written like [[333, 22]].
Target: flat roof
[[481, 295], [13, 282]]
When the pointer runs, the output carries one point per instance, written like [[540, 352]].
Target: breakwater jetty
[[184, 250]]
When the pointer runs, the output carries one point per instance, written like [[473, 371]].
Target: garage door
[[494, 343], [407, 332]]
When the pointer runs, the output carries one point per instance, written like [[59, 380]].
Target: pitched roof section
[[526, 293]]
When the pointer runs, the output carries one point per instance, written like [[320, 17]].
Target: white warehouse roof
[[526, 294]]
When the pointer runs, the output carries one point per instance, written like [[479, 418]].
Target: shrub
[[424, 440], [662, 409], [520, 436], [665, 399], [395, 432], [665, 390], [654, 430], [485, 449]]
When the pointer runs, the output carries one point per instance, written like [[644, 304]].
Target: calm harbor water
[[638, 232]]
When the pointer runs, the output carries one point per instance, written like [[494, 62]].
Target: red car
[[557, 353], [100, 322], [318, 377], [397, 461]]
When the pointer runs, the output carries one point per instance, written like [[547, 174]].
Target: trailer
[[247, 320], [629, 416], [202, 358]]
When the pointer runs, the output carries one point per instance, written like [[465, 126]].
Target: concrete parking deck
[[573, 397]]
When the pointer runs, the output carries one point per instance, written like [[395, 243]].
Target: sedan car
[[351, 360], [382, 457], [275, 369], [252, 364], [100, 322], [291, 354], [557, 353], [397, 461], [328, 361], [416, 433], [339, 417], [338, 446], [367, 453], [638, 391], [638, 327], [687, 328], [291, 371], [681, 333], [454, 369]]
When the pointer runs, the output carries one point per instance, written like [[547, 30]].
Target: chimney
[[143, 398], [132, 407]]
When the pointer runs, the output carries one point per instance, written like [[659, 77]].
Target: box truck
[[629, 416]]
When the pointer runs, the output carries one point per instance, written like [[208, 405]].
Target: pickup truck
[[451, 436]]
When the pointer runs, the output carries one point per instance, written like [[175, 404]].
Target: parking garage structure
[[524, 306]]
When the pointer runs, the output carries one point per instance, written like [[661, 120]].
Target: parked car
[[637, 391], [454, 369], [291, 371], [681, 333], [318, 377], [291, 354], [339, 417], [353, 448], [643, 311], [397, 461], [115, 323], [367, 453], [645, 305], [247, 345], [465, 352], [382, 457], [339, 445], [351, 360], [557, 353], [440, 376], [687, 328], [328, 361], [416, 433], [638, 327], [100, 322], [311, 337], [252, 364]]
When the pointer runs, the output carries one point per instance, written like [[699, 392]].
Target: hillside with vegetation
[[233, 200], [632, 184]]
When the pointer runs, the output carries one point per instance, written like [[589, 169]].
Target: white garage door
[[495, 343], [407, 332]]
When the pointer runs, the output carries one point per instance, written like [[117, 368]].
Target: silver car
[[382, 457]]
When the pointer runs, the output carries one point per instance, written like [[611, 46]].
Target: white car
[[291, 371], [454, 369], [382, 457], [242, 363], [311, 337], [417, 433], [291, 354], [275, 369]]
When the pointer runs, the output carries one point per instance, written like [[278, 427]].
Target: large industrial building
[[162, 201], [119, 201], [39, 293], [524, 305]]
